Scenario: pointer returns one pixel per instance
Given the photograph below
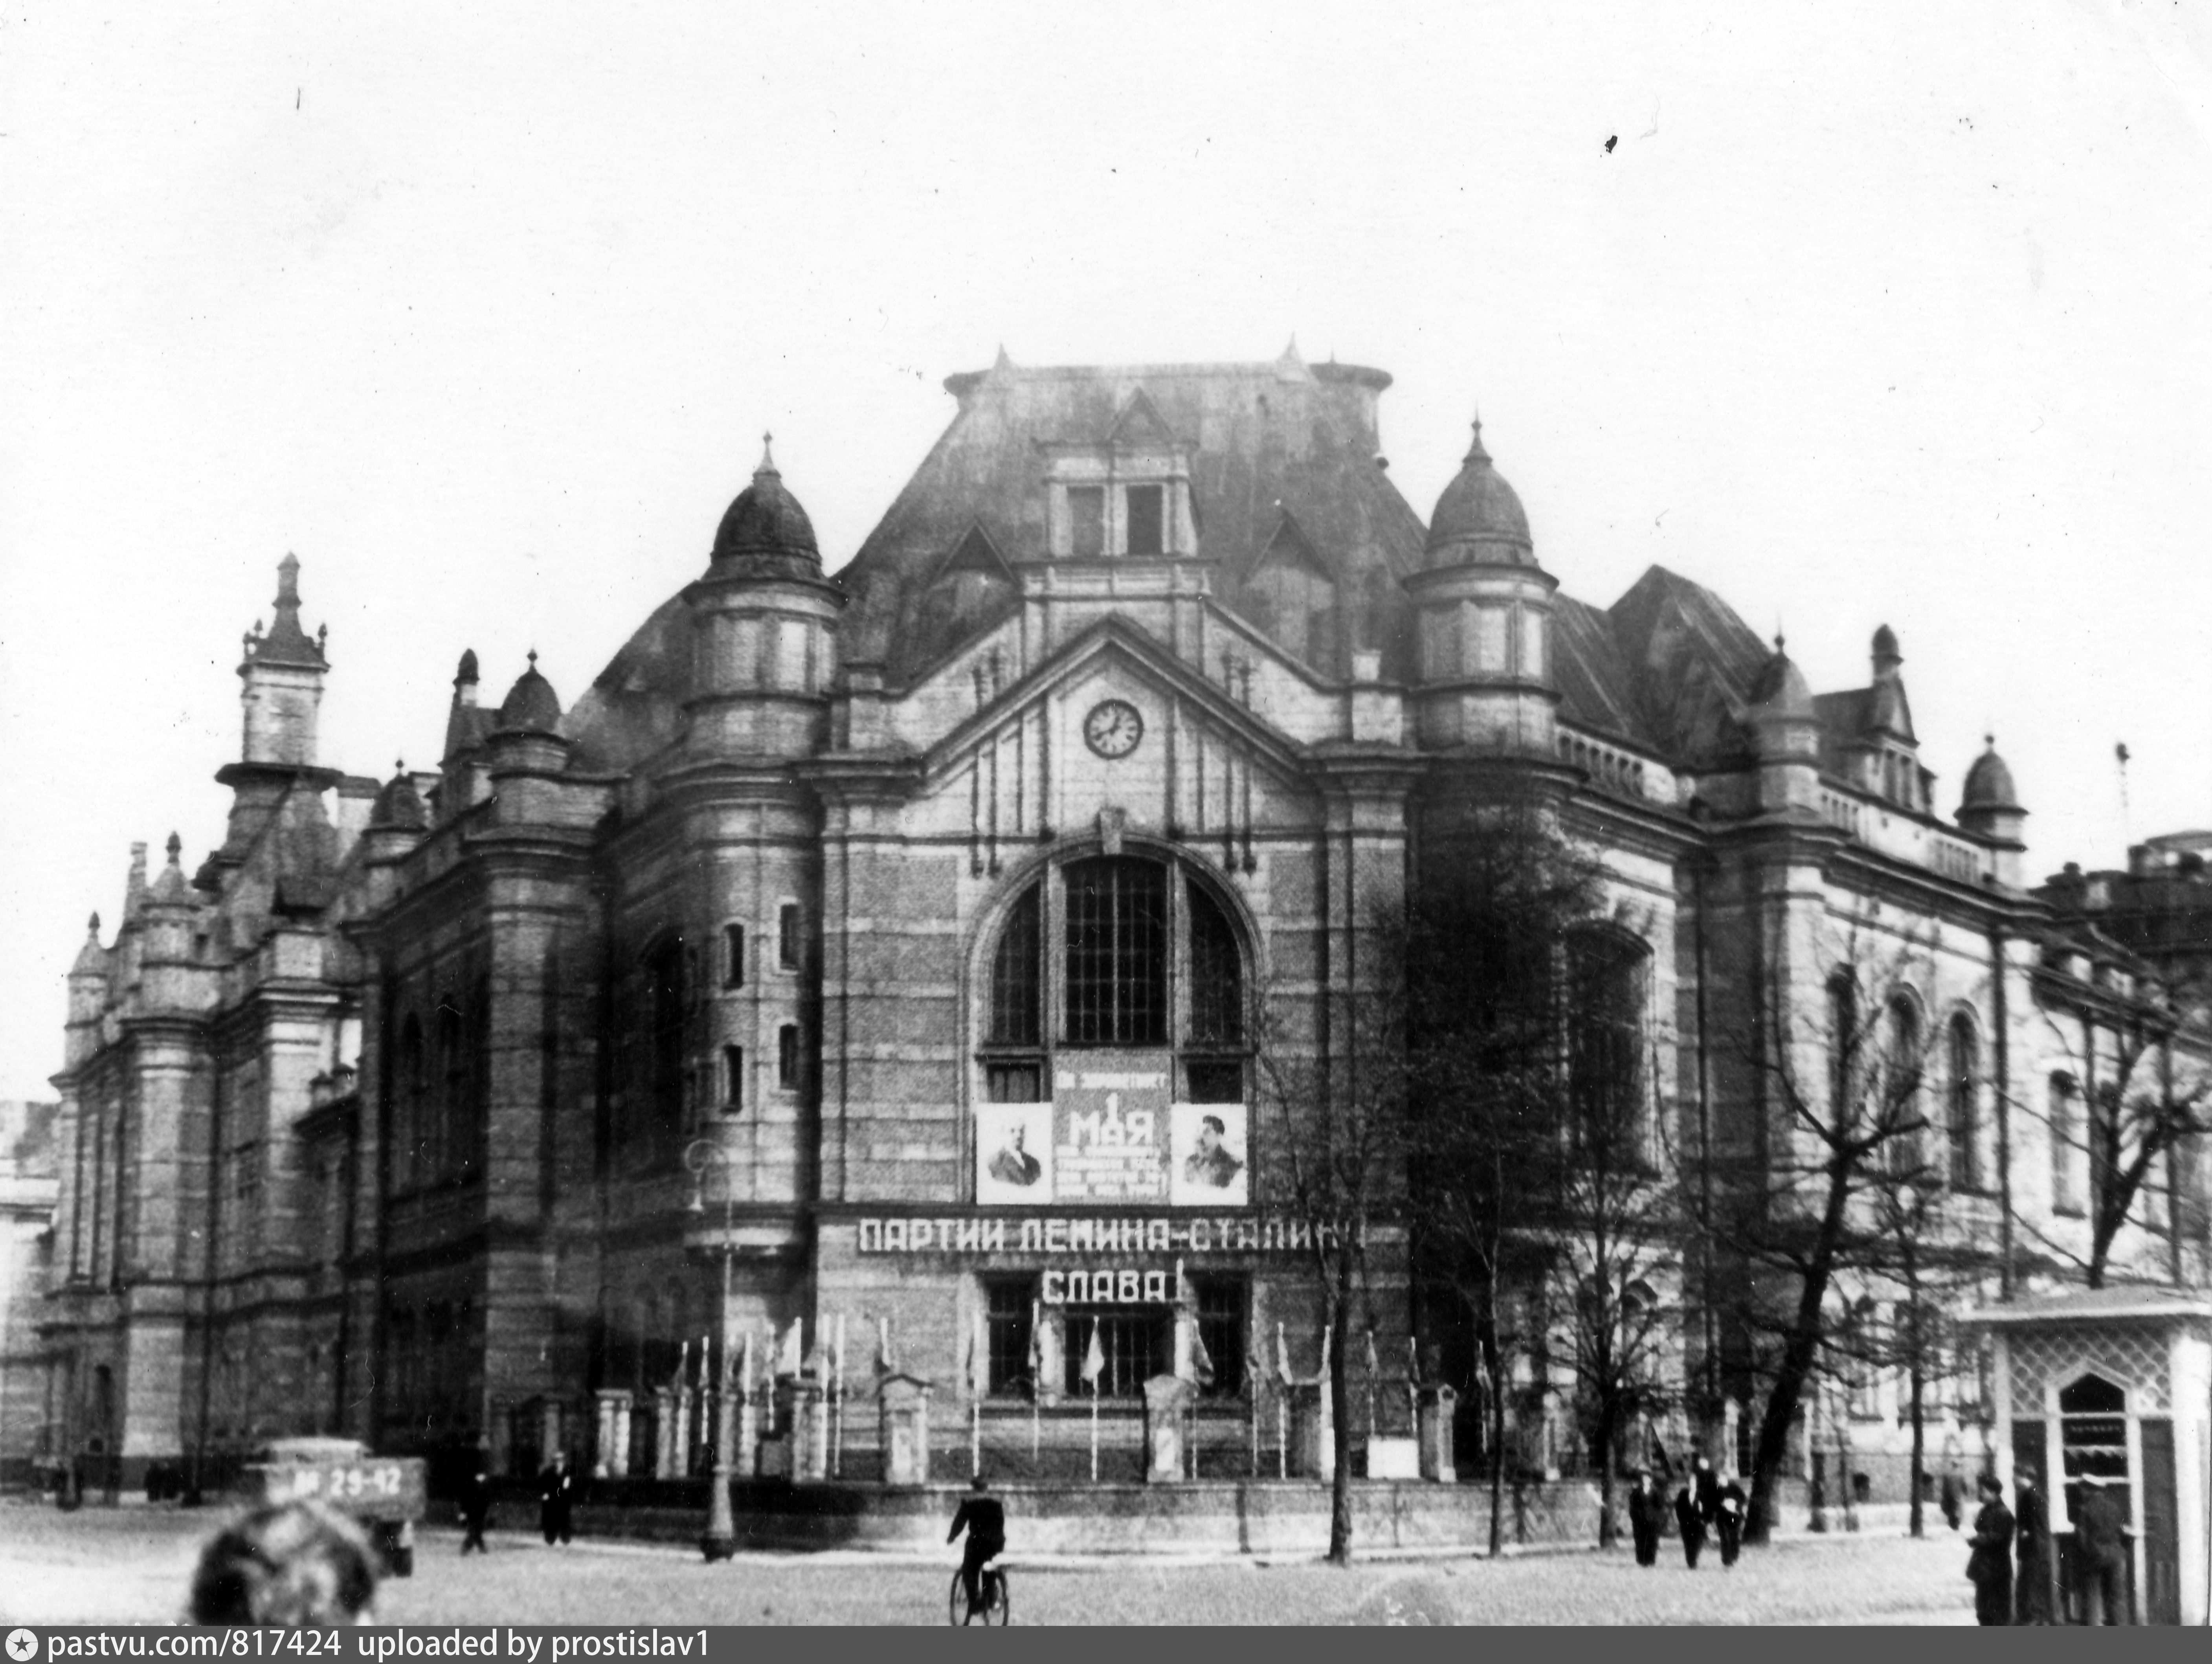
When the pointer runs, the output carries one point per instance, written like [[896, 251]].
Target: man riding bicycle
[[984, 1520]]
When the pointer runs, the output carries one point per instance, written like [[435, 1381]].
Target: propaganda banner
[[1112, 1135]]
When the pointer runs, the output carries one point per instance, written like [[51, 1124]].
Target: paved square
[[133, 1565]]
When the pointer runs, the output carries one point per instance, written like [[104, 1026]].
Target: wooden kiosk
[[2115, 1383]]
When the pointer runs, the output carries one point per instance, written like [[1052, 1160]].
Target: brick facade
[[437, 1110]]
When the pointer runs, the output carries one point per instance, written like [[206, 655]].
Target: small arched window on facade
[[2062, 1111], [446, 1154], [667, 1011], [1900, 1107], [1966, 1119], [1862, 1366], [1843, 1048], [414, 1116]]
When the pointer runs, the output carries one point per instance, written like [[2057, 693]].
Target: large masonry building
[[903, 935]]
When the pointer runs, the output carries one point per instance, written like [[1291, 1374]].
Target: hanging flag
[[1094, 1360], [884, 1363], [683, 1362], [1201, 1362], [1326, 1333], [746, 1365], [1037, 1349], [1374, 1363], [706, 1359], [1282, 1356], [837, 1354], [979, 1357], [794, 1357], [1413, 1360]]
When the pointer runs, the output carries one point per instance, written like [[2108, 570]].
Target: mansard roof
[[1259, 440]]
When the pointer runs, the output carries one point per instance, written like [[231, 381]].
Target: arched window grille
[[1116, 952]]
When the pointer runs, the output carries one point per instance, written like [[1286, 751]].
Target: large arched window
[[1966, 1119], [1116, 951], [1605, 1036]]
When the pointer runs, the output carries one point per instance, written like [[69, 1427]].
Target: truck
[[386, 1495]]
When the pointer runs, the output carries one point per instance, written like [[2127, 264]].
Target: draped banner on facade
[[1112, 1134]]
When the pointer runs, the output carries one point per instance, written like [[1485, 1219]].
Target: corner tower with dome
[[892, 933]]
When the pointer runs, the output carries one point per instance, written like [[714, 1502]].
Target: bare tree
[[1799, 1211], [1338, 1102], [1921, 1258], [1538, 1191], [1615, 1221], [2134, 1105]]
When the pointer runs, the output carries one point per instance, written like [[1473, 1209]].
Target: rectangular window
[[733, 1080], [1213, 1080], [1134, 1343], [1221, 1331], [786, 936], [733, 956], [1148, 505], [1009, 1316], [1117, 942], [1014, 1083], [786, 1057], [1086, 520]]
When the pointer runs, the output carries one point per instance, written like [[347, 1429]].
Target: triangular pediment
[[975, 553], [1291, 546], [1126, 654], [1141, 425]]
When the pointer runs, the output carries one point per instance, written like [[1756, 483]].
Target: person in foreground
[[1990, 1566], [984, 1519], [292, 1566]]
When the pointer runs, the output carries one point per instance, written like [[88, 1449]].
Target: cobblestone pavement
[[132, 1564]]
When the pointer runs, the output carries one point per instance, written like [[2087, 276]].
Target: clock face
[[1113, 728]]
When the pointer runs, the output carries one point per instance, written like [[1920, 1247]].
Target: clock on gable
[[1113, 728]]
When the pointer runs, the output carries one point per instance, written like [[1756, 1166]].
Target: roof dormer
[[1124, 497]]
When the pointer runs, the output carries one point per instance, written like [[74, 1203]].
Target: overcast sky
[[1871, 314]]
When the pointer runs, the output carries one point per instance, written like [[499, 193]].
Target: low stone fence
[[1262, 1516]]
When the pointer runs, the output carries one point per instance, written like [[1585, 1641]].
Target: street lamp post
[[720, 1540]]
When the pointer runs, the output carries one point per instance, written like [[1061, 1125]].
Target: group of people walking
[[1707, 1503]]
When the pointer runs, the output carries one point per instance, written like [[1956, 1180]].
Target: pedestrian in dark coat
[[1646, 1508], [1729, 1513], [557, 1495], [1989, 1567], [476, 1508], [1708, 1493], [2031, 1588], [2101, 1544], [1693, 1525]]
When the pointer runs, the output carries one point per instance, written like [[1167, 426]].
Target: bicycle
[[997, 1606]]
